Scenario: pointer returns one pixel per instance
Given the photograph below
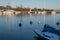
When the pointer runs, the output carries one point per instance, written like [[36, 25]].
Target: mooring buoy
[[20, 24], [30, 22], [57, 23], [39, 22]]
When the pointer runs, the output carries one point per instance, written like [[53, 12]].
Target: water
[[10, 30]]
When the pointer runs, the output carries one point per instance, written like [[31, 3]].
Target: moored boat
[[48, 33]]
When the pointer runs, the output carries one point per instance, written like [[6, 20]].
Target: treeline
[[23, 9]]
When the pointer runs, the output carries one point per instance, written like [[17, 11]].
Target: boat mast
[[44, 11], [54, 19]]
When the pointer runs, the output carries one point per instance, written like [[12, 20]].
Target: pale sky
[[49, 4]]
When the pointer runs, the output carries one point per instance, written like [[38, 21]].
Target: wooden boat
[[48, 33]]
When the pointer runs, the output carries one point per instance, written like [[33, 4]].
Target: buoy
[[57, 23], [38, 22], [20, 24], [30, 22]]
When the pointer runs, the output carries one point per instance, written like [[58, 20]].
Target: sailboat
[[43, 12], [39, 12], [53, 12]]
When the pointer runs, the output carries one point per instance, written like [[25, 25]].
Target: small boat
[[43, 12], [48, 33]]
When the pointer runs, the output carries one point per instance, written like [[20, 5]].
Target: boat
[[53, 12], [43, 12], [39, 12], [48, 33]]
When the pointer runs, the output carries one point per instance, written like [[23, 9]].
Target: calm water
[[10, 30]]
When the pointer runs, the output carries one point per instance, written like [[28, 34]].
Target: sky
[[48, 4]]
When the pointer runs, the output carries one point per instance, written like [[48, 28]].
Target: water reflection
[[8, 22], [37, 38], [10, 28], [20, 29]]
